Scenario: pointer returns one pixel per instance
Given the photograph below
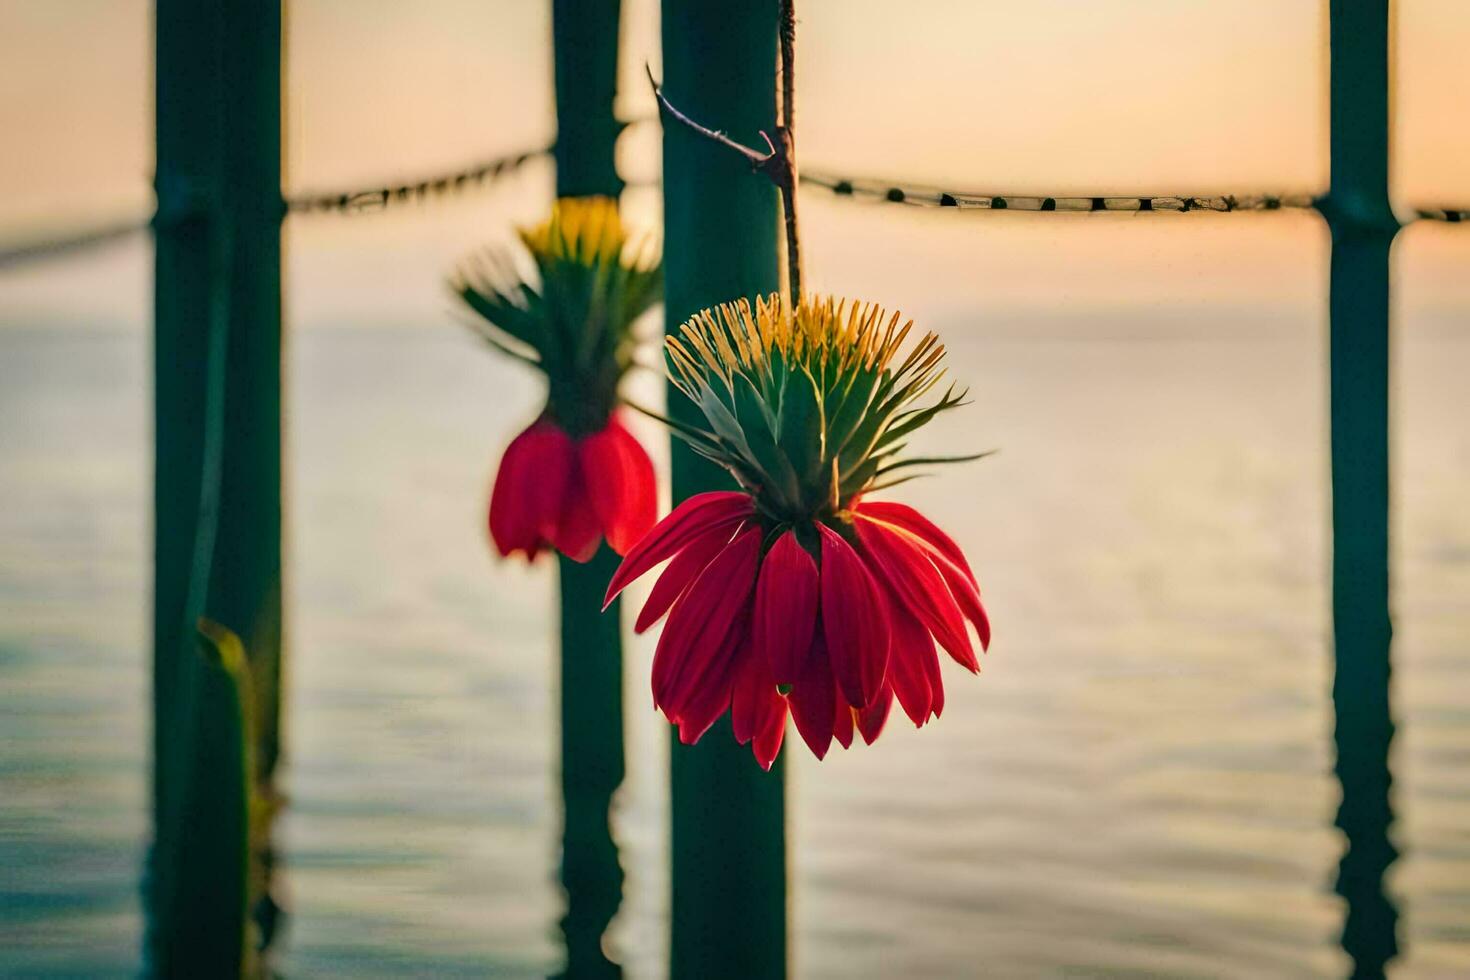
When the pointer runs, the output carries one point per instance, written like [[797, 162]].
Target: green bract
[[574, 319], [812, 410]]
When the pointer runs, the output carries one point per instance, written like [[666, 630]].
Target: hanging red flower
[[796, 594], [554, 491], [576, 475]]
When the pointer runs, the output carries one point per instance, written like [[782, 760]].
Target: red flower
[[556, 491], [827, 620]]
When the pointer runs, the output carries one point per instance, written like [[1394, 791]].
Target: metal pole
[[217, 469], [245, 592], [1363, 226], [585, 39], [721, 229], [196, 877], [585, 44], [245, 587]]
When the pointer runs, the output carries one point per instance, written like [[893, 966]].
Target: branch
[[788, 65], [779, 163], [759, 162], [786, 137]]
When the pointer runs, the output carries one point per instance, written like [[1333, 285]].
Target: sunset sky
[[1048, 96]]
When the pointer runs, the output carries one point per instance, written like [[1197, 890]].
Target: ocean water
[[1137, 784]]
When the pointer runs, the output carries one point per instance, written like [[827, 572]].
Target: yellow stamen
[[823, 332], [586, 230]]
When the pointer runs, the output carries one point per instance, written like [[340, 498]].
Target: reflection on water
[[1362, 632], [590, 761], [1140, 781]]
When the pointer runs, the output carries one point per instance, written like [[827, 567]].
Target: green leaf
[[683, 430], [851, 409], [885, 484], [200, 866], [485, 334], [722, 420], [906, 422], [932, 461], [502, 313], [801, 433], [852, 482], [755, 419]]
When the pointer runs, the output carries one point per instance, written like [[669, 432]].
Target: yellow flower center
[[833, 335], [585, 230]]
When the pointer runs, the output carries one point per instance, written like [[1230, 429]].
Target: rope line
[[53, 246], [380, 197], [1453, 215], [373, 198], [935, 197]]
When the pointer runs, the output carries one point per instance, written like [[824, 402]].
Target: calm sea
[[1138, 784]]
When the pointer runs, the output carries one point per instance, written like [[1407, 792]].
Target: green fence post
[[585, 41], [728, 910], [217, 469], [188, 932], [585, 44], [245, 587], [1363, 227]]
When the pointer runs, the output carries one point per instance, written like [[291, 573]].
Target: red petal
[[842, 719], [912, 646], [529, 487], [694, 516], [936, 681], [919, 586], [620, 483], [687, 564], [854, 619], [703, 626], [578, 532], [813, 700], [757, 711], [752, 684], [870, 720], [967, 597], [707, 702], [767, 742], [947, 558], [904, 516], [786, 607]]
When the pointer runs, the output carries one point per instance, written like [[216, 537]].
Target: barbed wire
[[372, 198], [57, 245], [1452, 215], [935, 197], [379, 197]]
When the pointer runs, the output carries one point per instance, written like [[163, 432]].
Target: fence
[[218, 457]]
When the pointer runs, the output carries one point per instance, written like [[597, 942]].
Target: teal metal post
[[721, 227], [585, 39], [585, 43], [245, 592], [591, 761], [1363, 227], [245, 588], [196, 873], [217, 469]]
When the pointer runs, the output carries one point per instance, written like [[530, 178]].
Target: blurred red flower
[[575, 475], [564, 493]]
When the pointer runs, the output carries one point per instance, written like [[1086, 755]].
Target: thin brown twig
[[788, 177], [779, 163], [759, 162]]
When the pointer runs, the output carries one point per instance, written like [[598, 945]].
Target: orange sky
[[1051, 96]]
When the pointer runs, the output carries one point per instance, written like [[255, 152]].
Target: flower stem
[[786, 151]]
